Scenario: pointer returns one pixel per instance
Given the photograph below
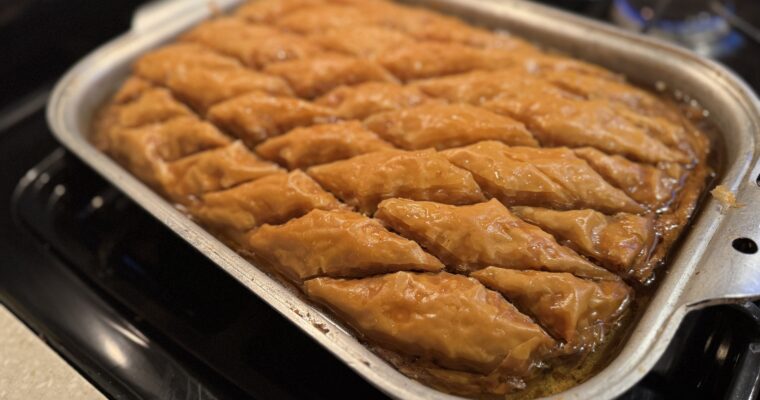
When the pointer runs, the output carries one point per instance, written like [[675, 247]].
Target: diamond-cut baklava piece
[[254, 45], [321, 144], [594, 87], [539, 177], [561, 121], [541, 64], [160, 65], [425, 25], [616, 241], [145, 150], [451, 320], [646, 184], [256, 117], [469, 238], [361, 101], [361, 40], [364, 181], [268, 11], [315, 76], [578, 311], [139, 104], [429, 59], [447, 125], [558, 117], [215, 170], [273, 199], [322, 18], [202, 77], [338, 244]]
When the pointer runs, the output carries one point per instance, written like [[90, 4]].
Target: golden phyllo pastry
[[273, 199], [338, 244], [539, 177], [147, 149], [256, 117], [137, 104], [577, 310], [558, 117], [365, 41], [649, 185], [366, 180], [443, 126], [254, 45], [321, 144], [469, 238], [618, 242], [459, 324], [215, 170], [267, 11], [315, 76], [202, 77], [366, 99]]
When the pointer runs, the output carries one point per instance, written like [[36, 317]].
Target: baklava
[[477, 210]]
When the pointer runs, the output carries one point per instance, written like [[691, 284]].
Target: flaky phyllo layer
[[474, 208]]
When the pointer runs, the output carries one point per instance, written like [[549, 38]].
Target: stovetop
[[142, 315]]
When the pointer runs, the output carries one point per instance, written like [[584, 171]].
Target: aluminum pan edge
[[690, 282]]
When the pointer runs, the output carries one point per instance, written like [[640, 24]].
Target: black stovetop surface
[[142, 315]]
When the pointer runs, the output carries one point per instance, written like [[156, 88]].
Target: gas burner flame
[[704, 26]]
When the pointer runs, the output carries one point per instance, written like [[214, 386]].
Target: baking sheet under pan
[[705, 269]]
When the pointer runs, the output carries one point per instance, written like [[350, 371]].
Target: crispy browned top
[[472, 207]]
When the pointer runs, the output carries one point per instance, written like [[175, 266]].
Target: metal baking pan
[[705, 269]]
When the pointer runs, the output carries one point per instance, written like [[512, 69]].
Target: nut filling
[[484, 215]]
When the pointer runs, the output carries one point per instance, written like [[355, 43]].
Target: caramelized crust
[[541, 64], [215, 170], [443, 126], [618, 242], [459, 325], [203, 78], [131, 90], [469, 238], [257, 116], [363, 41], [254, 45], [170, 140], [363, 100], [593, 87], [322, 18], [136, 104], [539, 177], [160, 65], [366, 180], [425, 25], [558, 117], [273, 199], [145, 150], [268, 11], [321, 144], [430, 59], [315, 76], [653, 187], [576, 310], [337, 244]]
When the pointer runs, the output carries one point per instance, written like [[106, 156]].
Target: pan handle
[[729, 270]]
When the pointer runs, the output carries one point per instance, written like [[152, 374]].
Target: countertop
[[29, 369]]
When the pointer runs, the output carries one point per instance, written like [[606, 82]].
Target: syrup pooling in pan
[[482, 214]]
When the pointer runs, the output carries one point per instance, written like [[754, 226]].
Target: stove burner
[[694, 24]]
